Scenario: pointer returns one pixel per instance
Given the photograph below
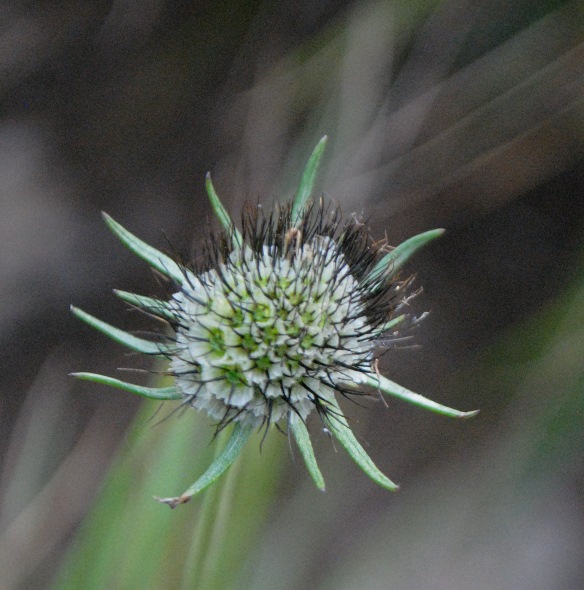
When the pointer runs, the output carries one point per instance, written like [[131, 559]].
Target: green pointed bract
[[222, 215], [225, 459], [390, 388], [152, 256], [307, 181], [338, 425], [158, 393], [394, 260], [302, 437], [132, 342], [391, 324], [148, 304]]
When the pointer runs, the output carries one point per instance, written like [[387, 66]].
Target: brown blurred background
[[466, 115]]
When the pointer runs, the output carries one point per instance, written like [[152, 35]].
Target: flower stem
[[207, 525], [223, 509]]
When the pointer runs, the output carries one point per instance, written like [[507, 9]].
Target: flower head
[[278, 319], [277, 325]]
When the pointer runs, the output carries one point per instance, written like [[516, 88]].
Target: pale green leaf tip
[[128, 297], [423, 238], [388, 387], [157, 393], [111, 223], [87, 376], [211, 192], [79, 313], [221, 213], [406, 249], [156, 259], [319, 148], [93, 377], [157, 307], [120, 336], [218, 467], [344, 434], [465, 415], [387, 485], [307, 180], [303, 441], [392, 262]]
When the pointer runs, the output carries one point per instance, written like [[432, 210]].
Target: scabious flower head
[[276, 326], [274, 322]]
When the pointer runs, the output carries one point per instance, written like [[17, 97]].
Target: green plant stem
[[205, 529], [223, 510]]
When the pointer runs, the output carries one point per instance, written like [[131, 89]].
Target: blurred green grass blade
[[202, 561], [130, 541], [121, 542], [239, 437], [234, 512]]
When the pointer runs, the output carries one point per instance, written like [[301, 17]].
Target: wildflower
[[279, 319]]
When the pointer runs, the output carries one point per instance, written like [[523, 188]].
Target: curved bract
[[286, 314]]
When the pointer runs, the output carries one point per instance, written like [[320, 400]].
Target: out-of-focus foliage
[[506, 515], [129, 540], [459, 114]]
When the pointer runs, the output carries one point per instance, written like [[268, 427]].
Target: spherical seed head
[[277, 318], [278, 324]]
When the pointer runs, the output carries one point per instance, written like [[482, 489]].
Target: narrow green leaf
[[302, 437], [390, 388], [149, 304], [224, 218], [339, 426], [307, 181], [159, 393], [225, 459], [152, 256], [395, 259], [132, 342]]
